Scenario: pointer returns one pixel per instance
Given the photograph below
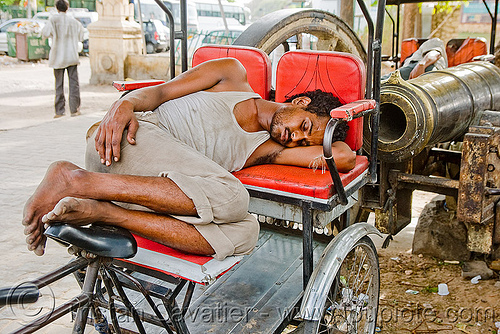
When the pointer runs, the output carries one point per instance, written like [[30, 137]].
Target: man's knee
[[251, 236], [243, 234], [237, 238], [236, 208]]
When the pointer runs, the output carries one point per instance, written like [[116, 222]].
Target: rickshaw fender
[[323, 275]]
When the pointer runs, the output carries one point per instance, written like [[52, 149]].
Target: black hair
[[321, 104], [62, 5]]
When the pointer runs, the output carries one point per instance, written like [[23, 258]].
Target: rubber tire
[[150, 48], [275, 28], [313, 326]]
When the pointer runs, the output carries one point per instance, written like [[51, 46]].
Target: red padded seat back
[[255, 61], [408, 47], [470, 48], [342, 74]]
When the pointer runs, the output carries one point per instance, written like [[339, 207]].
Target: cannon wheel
[[352, 302], [276, 28]]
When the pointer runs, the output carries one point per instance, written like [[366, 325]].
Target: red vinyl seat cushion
[[339, 73], [298, 180], [255, 61], [196, 268], [408, 47], [470, 48]]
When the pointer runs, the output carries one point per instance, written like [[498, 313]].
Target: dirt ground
[[409, 302]]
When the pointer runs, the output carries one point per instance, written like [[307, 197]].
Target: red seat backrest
[[342, 74], [408, 47], [255, 61], [470, 48]]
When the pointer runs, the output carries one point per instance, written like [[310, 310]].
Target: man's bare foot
[[77, 211], [57, 183]]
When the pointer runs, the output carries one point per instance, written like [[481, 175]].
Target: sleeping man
[[159, 163]]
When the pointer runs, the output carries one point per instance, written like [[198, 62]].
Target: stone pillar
[[111, 39]]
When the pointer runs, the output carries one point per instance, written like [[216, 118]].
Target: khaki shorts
[[220, 198]]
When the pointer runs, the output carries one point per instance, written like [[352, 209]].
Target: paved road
[[30, 139]]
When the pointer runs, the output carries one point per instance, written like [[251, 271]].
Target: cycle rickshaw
[[297, 274]]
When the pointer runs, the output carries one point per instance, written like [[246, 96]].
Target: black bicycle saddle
[[101, 240]]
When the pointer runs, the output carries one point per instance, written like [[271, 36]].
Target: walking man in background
[[65, 32]]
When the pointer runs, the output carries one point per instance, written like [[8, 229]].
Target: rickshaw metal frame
[[395, 31], [105, 269]]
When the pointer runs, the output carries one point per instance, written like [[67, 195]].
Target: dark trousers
[[74, 90]]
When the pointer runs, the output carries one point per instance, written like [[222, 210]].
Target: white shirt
[[65, 32], [429, 45]]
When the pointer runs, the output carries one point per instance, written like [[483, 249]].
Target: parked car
[[4, 27], [220, 36], [156, 36], [85, 19]]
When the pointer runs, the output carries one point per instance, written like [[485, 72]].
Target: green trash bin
[[38, 48], [11, 44], [31, 47]]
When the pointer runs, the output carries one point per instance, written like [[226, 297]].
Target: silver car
[[4, 27]]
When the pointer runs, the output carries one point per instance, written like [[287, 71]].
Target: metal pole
[[28, 10], [494, 29], [369, 70], [307, 242], [184, 53], [223, 15], [397, 35], [377, 61], [173, 36], [139, 12], [87, 291]]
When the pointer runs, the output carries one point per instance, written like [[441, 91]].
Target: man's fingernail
[[102, 161], [116, 159], [108, 163]]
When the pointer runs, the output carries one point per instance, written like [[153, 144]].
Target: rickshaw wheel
[[352, 302], [279, 28]]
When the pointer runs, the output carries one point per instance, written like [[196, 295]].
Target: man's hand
[[109, 134]]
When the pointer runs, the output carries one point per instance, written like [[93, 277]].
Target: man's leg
[[195, 188], [212, 189], [157, 227], [74, 90], [59, 100], [65, 179], [220, 199]]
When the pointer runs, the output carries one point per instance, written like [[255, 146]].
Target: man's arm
[[303, 156], [47, 29], [217, 75], [429, 58], [81, 32]]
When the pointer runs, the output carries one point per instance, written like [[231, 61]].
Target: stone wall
[[139, 67]]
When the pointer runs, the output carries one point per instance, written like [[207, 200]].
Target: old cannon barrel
[[436, 107]]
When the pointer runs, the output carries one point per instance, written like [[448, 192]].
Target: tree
[[445, 20], [8, 2], [410, 21], [347, 12]]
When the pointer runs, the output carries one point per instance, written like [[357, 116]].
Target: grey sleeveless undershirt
[[206, 122]]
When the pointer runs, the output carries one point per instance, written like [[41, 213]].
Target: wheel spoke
[[352, 302], [360, 268]]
